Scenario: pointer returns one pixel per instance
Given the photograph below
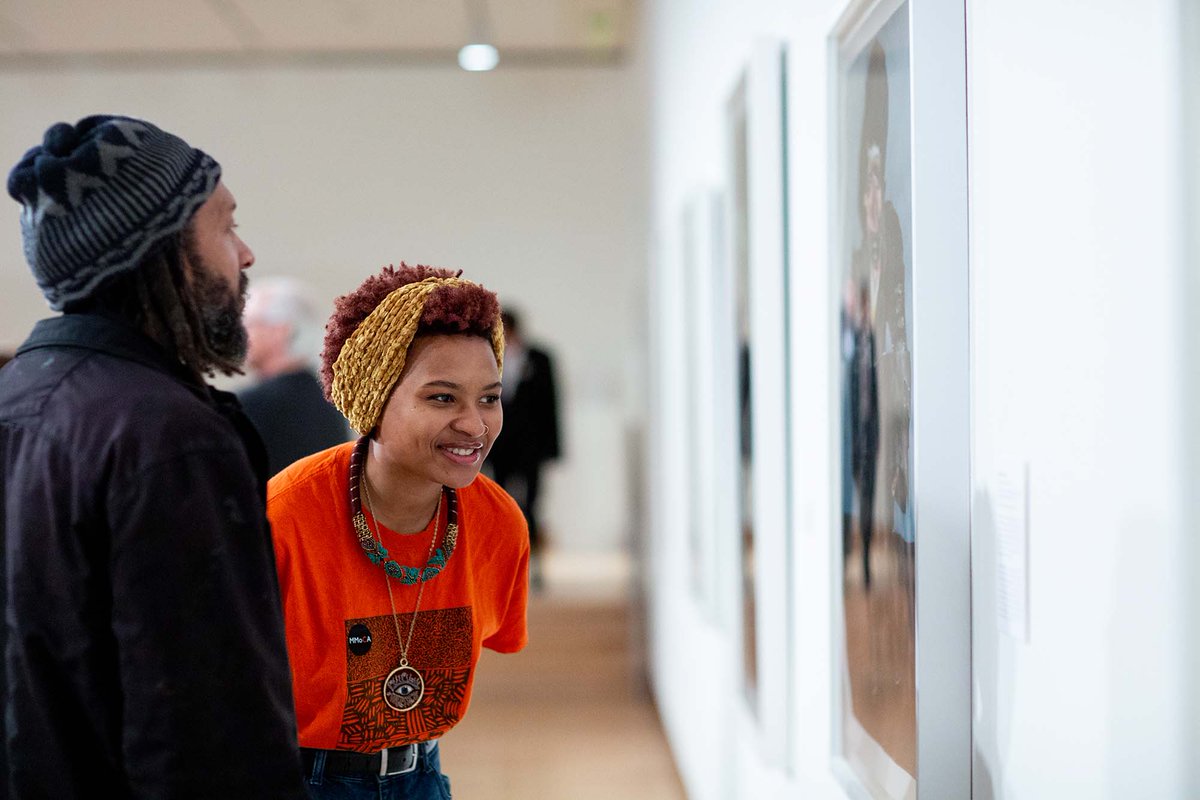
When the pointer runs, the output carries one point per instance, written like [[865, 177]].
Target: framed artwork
[[757, 265], [739, 262], [900, 276]]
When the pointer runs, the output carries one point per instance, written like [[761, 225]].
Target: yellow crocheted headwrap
[[373, 356]]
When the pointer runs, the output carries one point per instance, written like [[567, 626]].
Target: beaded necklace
[[375, 550]]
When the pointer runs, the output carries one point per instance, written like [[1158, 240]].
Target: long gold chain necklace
[[404, 686], [375, 551]]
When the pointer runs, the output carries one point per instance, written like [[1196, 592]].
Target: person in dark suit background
[[864, 428], [531, 429], [287, 404]]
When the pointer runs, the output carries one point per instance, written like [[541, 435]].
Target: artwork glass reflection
[[877, 524]]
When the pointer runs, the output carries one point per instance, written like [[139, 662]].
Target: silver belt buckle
[[398, 760]]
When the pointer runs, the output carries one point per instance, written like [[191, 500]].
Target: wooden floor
[[880, 645], [568, 718]]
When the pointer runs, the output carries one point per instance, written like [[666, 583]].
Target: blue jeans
[[426, 782]]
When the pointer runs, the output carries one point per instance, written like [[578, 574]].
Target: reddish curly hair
[[465, 310]]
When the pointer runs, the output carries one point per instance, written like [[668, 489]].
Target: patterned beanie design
[[97, 196]]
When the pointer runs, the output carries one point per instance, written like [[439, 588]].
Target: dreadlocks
[[190, 316]]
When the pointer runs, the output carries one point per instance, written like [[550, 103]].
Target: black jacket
[[293, 417], [144, 639], [531, 428]]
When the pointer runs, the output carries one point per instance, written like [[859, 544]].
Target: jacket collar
[[111, 335]]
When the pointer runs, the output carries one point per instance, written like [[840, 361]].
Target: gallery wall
[[1078, 345], [698, 58], [530, 180], [1077, 242]]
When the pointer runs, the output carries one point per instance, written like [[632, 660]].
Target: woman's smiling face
[[432, 429]]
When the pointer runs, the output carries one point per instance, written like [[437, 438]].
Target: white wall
[[1078, 354], [698, 52], [530, 180], [1076, 245]]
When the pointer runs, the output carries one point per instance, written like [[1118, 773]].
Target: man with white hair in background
[[287, 405]]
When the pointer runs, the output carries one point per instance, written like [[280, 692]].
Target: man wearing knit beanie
[[144, 637]]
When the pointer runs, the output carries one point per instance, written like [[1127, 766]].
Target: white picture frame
[[914, 50], [756, 122], [1190, 297]]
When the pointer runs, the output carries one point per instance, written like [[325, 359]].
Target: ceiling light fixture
[[479, 55]]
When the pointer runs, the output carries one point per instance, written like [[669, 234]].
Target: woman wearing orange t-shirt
[[397, 560]]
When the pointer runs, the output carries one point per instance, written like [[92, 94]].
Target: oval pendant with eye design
[[403, 688]]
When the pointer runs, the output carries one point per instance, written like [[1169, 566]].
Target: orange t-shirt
[[341, 632]]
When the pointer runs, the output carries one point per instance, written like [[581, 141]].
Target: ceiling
[[40, 34]]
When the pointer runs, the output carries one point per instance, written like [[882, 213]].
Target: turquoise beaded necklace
[[375, 550]]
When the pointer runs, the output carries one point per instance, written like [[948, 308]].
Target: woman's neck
[[397, 503]]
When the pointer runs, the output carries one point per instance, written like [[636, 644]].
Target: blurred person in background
[[398, 562], [144, 639], [531, 426], [287, 404], [864, 428]]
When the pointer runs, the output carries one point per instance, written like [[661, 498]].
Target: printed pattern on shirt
[[440, 650]]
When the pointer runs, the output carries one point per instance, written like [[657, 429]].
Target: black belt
[[389, 761]]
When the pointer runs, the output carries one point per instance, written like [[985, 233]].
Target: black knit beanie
[[98, 195]]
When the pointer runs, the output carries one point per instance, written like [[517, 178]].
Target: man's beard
[[221, 316]]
